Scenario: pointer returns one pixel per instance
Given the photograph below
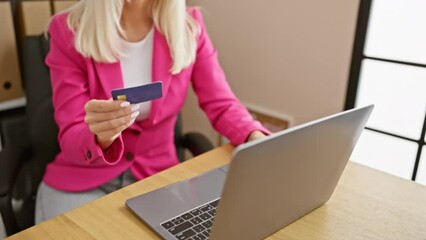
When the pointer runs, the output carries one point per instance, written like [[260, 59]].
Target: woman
[[100, 45]]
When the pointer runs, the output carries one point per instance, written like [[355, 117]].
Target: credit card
[[139, 94]]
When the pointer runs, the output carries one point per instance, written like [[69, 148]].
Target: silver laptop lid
[[274, 181]]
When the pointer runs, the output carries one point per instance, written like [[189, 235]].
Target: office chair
[[22, 163]]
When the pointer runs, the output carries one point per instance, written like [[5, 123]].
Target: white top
[[136, 66]]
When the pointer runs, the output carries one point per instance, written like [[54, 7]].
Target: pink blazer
[[146, 147]]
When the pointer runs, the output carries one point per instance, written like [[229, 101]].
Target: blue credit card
[[139, 94]]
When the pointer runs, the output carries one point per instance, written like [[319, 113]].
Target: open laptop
[[269, 183]]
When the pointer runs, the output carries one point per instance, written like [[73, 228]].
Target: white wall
[[288, 57]]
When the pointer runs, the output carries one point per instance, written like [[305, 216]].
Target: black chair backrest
[[41, 128]]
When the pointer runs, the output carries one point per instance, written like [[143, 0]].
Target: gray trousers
[[51, 202]]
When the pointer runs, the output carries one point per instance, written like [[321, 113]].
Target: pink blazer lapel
[[110, 76], [161, 65]]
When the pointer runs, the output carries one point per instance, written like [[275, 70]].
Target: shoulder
[[195, 12], [197, 16], [61, 40], [59, 29]]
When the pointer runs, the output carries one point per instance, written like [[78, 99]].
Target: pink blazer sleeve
[[70, 92], [227, 115]]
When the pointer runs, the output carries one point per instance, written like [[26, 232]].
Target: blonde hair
[[97, 28]]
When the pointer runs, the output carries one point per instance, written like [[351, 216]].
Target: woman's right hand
[[107, 119]]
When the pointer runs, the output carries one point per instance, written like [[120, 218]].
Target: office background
[[303, 59]]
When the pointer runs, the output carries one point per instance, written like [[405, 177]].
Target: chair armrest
[[197, 143]]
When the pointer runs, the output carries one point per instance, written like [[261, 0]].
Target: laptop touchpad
[[164, 203]]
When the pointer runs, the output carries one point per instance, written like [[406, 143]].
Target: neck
[[136, 19]]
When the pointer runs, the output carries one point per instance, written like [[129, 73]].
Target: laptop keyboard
[[194, 224]]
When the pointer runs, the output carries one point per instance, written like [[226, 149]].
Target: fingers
[[114, 133], [107, 118], [102, 106], [94, 117], [113, 124], [255, 135]]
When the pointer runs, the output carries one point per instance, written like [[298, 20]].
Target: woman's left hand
[[255, 135]]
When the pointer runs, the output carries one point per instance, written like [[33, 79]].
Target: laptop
[[269, 183]]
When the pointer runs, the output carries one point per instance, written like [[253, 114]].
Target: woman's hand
[[255, 135], [107, 119]]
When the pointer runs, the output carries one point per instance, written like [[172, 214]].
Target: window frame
[[354, 76]]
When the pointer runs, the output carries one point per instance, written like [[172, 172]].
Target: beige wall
[[287, 57]]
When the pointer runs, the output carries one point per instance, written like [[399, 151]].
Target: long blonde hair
[[97, 28]]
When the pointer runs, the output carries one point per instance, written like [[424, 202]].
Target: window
[[389, 70]]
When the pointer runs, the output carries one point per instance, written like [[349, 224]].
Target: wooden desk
[[367, 204]]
